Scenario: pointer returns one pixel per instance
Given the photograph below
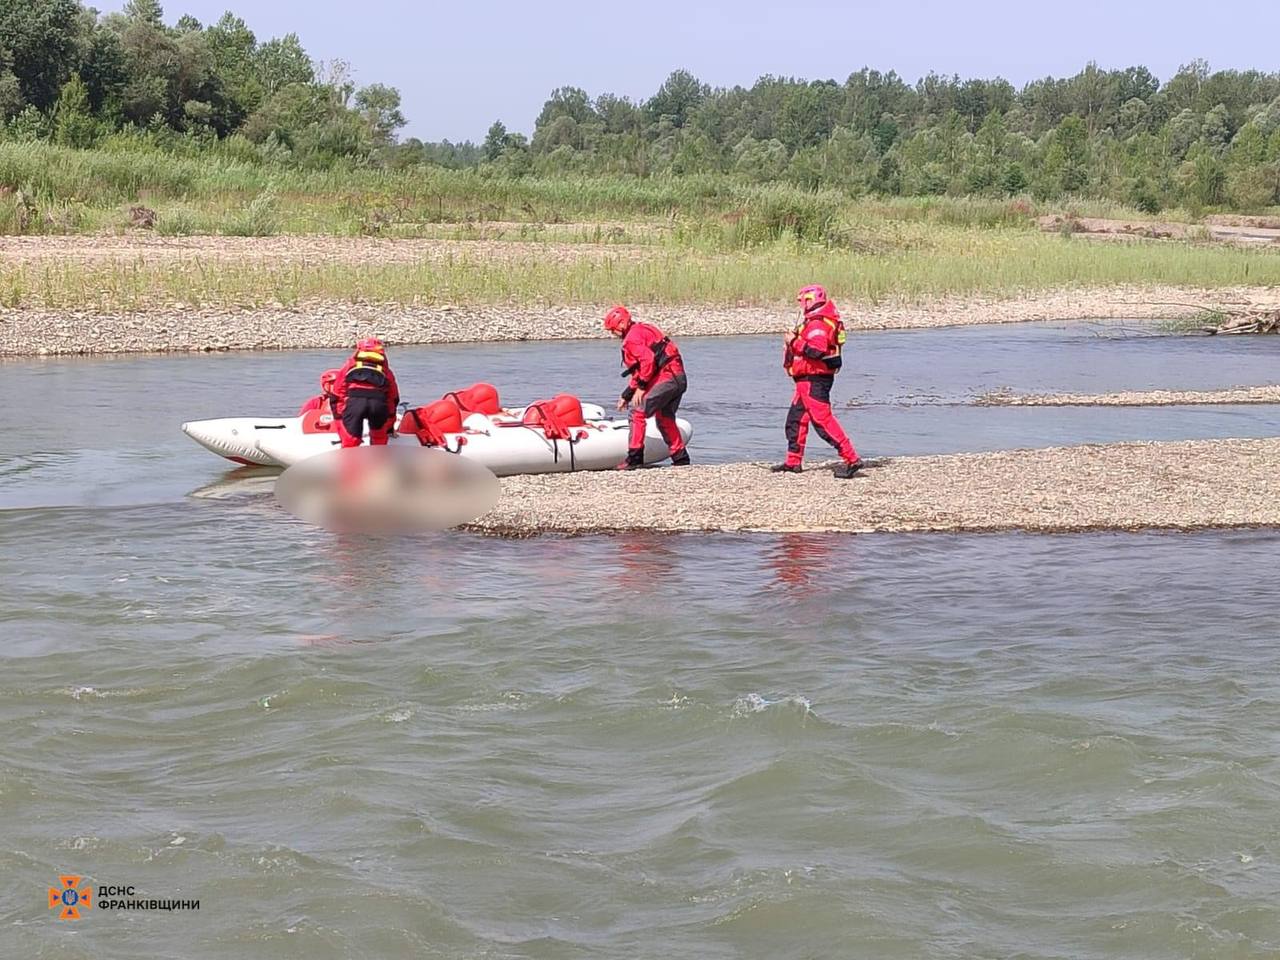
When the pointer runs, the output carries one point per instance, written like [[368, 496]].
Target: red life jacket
[[825, 327], [667, 361], [555, 416], [477, 398], [368, 371], [323, 403], [430, 423]]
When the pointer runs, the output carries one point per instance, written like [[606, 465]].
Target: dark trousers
[[661, 402], [365, 406]]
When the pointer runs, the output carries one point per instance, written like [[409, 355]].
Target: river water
[[633, 746]]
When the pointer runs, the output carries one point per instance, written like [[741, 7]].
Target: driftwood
[[1246, 318], [140, 216], [1256, 321]]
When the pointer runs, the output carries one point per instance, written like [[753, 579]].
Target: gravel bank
[[304, 249], [335, 325], [1177, 486], [1239, 230], [1127, 398]]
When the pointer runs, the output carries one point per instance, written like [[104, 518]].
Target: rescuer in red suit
[[812, 359], [366, 392], [325, 401], [656, 383]]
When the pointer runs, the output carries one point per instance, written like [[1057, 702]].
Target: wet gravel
[[1177, 486]]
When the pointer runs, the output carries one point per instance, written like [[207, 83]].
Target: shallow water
[[639, 746], [115, 419]]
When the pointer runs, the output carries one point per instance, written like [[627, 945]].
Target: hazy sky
[[461, 65]]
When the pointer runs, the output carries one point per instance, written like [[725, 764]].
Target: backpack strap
[[549, 420]]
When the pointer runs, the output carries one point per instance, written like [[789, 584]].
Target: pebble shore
[[328, 325], [1184, 485], [1269, 393], [299, 248]]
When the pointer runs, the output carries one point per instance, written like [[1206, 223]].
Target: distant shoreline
[[326, 325], [1263, 393]]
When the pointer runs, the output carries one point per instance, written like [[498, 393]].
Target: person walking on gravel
[[812, 358], [657, 382]]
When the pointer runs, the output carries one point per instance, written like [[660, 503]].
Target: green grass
[[704, 239], [1195, 323], [213, 192], [959, 262]]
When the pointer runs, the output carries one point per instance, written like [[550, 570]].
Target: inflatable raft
[[236, 438], [557, 435]]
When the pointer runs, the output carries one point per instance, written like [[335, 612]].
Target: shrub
[[179, 221], [1014, 180], [1254, 188], [1145, 198], [261, 218]]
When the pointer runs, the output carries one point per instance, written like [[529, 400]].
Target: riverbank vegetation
[[200, 122], [939, 262], [126, 124]]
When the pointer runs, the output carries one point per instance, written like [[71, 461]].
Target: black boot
[[847, 471], [634, 461], [681, 459], [786, 468]]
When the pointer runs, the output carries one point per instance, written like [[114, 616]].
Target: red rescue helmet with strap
[[328, 379], [617, 320], [812, 298]]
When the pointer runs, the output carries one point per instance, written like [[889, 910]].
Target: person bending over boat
[[325, 402], [366, 392], [656, 383], [812, 358]]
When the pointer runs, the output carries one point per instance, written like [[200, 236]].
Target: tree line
[[1200, 139], [72, 76]]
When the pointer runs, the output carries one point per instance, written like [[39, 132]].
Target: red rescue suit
[[324, 403], [655, 366], [812, 357], [366, 392], [327, 403]]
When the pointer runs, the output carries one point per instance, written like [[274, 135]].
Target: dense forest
[[1200, 139], [76, 78]]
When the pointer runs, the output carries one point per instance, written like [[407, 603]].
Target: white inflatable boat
[[502, 442], [236, 438]]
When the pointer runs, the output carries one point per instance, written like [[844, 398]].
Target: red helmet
[[617, 320], [328, 379], [812, 298], [372, 344]]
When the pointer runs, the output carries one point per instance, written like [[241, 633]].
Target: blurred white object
[[384, 490]]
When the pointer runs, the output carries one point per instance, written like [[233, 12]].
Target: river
[[633, 746]]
